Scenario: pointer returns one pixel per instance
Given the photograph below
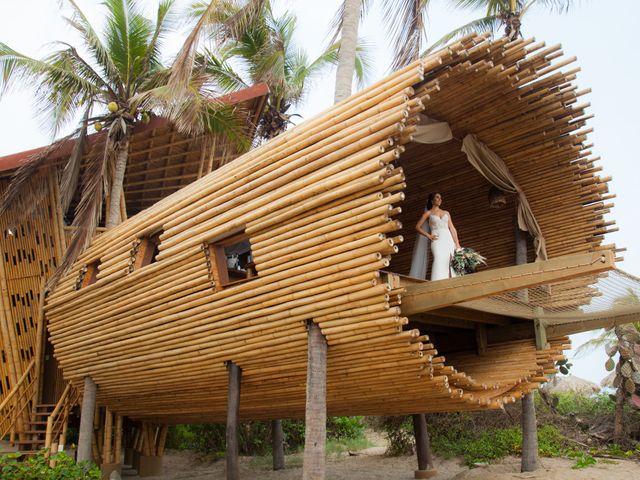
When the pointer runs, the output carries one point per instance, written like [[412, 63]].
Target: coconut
[[97, 126], [113, 107]]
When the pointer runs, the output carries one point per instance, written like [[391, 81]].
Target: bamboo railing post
[[315, 429], [117, 450], [529, 462], [108, 437], [233, 421], [423, 447], [277, 444], [87, 413]]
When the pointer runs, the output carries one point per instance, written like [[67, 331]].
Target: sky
[[602, 37]]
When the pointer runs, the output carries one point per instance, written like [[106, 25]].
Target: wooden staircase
[[32, 440], [46, 426]]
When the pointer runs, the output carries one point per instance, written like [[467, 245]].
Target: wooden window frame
[[146, 250], [91, 275], [218, 258]]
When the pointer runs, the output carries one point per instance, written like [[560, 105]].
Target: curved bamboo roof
[[321, 204]]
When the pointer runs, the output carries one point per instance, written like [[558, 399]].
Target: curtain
[[493, 168], [420, 255]]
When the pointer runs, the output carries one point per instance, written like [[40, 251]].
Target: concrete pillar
[[233, 421], [277, 444]]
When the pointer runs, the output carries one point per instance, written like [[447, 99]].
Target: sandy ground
[[371, 464]]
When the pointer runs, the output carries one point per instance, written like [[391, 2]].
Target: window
[[231, 261], [88, 275], [146, 250]]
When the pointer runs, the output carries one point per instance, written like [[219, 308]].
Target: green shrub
[[484, 446], [343, 428], [399, 433], [585, 405], [255, 437], [37, 468]]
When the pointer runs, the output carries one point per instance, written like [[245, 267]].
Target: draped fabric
[[420, 255], [493, 168], [429, 130]]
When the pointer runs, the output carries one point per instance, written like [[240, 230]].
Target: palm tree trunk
[[347, 52], [315, 431], [117, 185], [618, 418]]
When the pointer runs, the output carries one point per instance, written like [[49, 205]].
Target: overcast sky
[[601, 36]]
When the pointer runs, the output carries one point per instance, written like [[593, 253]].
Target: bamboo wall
[[30, 250], [320, 205]]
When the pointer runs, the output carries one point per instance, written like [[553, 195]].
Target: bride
[[443, 236]]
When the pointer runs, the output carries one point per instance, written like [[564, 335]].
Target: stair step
[[29, 442], [35, 432], [37, 423], [22, 452]]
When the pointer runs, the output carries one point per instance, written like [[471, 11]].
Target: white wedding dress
[[442, 248]]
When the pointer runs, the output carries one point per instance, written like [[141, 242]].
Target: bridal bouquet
[[466, 260]]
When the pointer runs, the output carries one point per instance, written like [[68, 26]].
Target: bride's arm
[[454, 232], [421, 222]]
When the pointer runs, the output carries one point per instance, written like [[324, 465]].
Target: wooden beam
[[441, 321], [477, 316], [427, 296], [592, 323]]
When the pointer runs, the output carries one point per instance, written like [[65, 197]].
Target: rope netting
[[608, 295]]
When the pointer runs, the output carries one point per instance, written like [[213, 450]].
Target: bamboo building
[[230, 264]]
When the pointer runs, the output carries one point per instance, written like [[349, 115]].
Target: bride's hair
[[432, 195]]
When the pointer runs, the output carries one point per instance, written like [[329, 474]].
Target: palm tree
[[507, 14], [119, 83], [406, 25], [264, 51], [625, 341]]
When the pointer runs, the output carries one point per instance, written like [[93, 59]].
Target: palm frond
[[88, 210], [221, 71], [492, 7], [164, 22], [335, 27], [55, 72], [21, 196], [94, 44], [197, 111], [237, 24], [182, 68], [128, 33], [606, 336], [481, 25], [364, 60], [558, 6], [408, 20], [71, 172]]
